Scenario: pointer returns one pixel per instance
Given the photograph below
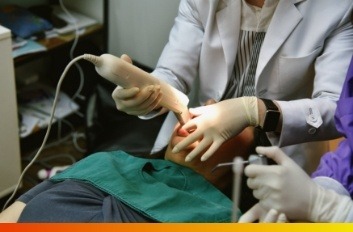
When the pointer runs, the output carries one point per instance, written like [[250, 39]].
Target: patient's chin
[[204, 168], [238, 146], [175, 140], [219, 178], [178, 158]]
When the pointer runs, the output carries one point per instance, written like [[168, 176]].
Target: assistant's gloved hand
[[257, 213], [214, 124], [288, 189], [136, 101]]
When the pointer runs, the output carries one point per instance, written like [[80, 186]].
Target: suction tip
[[238, 164]]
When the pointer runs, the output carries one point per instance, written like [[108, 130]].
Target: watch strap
[[271, 117], [269, 104]]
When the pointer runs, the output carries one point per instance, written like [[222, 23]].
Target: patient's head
[[239, 145]]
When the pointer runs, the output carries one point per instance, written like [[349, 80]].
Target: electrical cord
[[58, 87], [52, 144], [77, 94], [76, 136], [44, 161], [52, 157], [105, 65]]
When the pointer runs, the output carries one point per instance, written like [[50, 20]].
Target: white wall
[[140, 28], [91, 8]]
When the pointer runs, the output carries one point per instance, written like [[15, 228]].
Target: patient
[[118, 187]]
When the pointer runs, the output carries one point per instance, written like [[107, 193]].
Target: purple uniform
[[338, 165]]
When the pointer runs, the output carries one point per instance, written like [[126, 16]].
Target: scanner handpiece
[[126, 75]]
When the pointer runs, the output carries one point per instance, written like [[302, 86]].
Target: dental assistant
[[327, 197]]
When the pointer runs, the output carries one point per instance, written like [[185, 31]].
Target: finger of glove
[[282, 218], [271, 177], [269, 200], [273, 153], [252, 183], [271, 216], [126, 58], [120, 93], [261, 193], [149, 104], [251, 215], [211, 150], [143, 110], [201, 146], [192, 124], [146, 93], [261, 181], [137, 101], [187, 141], [198, 110], [255, 170]]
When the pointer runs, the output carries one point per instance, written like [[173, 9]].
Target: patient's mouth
[[183, 133]]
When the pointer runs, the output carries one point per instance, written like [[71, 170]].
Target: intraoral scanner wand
[[126, 75]]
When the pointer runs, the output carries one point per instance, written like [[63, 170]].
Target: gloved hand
[[257, 213], [214, 124], [136, 101], [288, 189]]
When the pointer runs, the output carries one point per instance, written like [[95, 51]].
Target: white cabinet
[[10, 164]]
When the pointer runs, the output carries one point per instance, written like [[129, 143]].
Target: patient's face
[[238, 146]]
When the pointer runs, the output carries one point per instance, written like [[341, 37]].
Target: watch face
[[271, 120]]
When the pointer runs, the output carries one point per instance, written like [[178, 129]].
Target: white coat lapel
[[228, 22], [285, 19]]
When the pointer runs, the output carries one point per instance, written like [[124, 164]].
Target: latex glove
[[136, 101], [214, 124], [257, 213], [288, 189]]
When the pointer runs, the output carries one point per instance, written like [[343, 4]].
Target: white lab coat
[[302, 63]]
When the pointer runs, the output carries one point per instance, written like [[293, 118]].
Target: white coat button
[[312, 131]]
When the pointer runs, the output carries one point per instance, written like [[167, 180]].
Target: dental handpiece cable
[[58, 87], [121, 73]]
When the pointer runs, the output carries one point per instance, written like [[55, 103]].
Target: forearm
[[12, 213], [331, 184], [328, 206], [313, 119]]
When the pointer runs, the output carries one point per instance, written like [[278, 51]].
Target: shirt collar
[[256, 18]]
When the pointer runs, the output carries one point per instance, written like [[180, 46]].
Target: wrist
[[269, 115], [328, 206], [251, 109]]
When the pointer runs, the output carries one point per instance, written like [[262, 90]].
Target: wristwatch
[[272, 116]]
